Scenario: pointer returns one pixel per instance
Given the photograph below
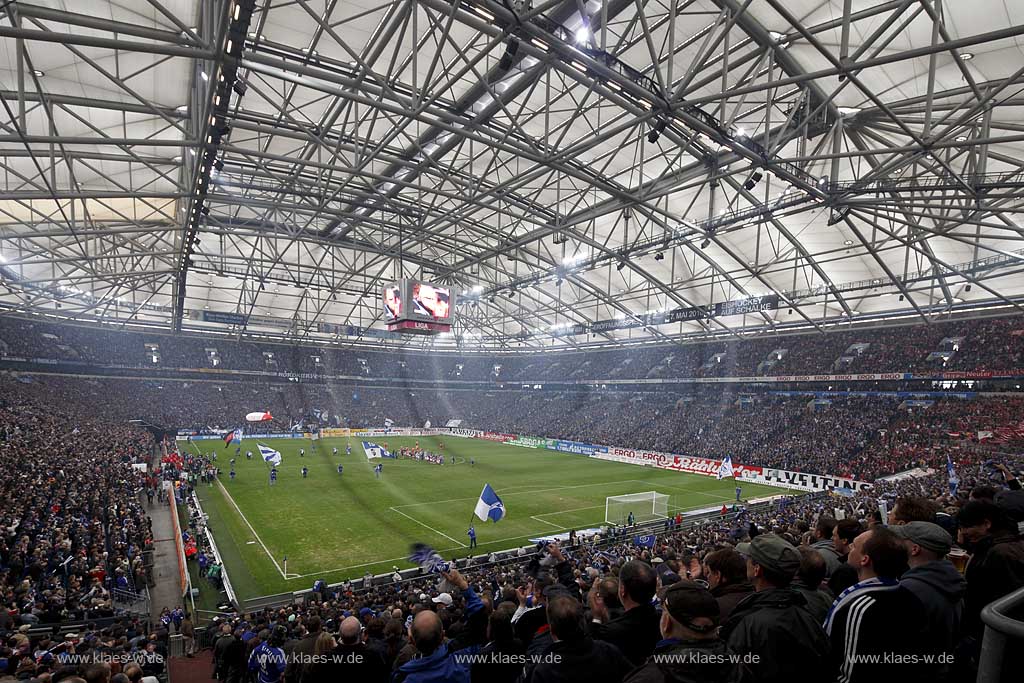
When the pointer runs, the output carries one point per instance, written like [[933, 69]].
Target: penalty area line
[[425, 526], [256, 535]]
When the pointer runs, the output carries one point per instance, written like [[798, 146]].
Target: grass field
[[335, 526]]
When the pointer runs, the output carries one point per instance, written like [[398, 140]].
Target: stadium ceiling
[[559, 162]]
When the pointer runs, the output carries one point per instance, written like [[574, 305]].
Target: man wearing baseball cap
[[934, 581], [690, 650], [773, 624]]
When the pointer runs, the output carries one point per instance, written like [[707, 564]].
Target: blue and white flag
[[954, 480], [725, 469], [388, 422], [372, 450], [489, 506], [269, 454], [646, 541], [427, 559]]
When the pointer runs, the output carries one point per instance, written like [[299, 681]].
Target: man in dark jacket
[[876, 626], [352, 659], [995, 569], [996, 566], [636, 632], [299, 652], [823, 543], [773, 624], [725, 571], [575, 656], [808, 583], [935, 582], [690, 650]]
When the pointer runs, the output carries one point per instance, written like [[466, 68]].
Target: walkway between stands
[[167, 590]]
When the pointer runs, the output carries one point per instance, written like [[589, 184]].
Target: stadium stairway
[[166, 591], [198, 669]]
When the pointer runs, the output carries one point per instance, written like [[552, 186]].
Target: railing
[[999, 628]]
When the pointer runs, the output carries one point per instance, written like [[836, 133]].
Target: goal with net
[[645, 507]]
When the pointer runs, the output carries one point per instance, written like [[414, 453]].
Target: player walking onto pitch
[[378, 469], [472, 536], [739, 492], [273, 476], [348, 449], [472, 462], [631, 520], [248, 455], [334, 451], [305, 471], [341, 468], [302, 452]]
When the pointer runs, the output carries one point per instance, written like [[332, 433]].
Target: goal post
[[645, 507]]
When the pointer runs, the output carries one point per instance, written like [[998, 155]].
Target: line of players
[[378, 469]]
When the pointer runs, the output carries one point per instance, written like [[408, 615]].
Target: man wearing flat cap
[[772, 626], [934, 581], [690, 650]]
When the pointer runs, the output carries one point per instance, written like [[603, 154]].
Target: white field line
[[678, 488], [258, 539], [538, 519], [445, 550], [521, 493], [425, 526]]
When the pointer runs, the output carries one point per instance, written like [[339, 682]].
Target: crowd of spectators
[[73, 531], [985, 345], [859, 437]]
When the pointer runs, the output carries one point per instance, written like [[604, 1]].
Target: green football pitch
[[335, 526]]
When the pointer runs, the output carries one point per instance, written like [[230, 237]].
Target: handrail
[[999, 627]]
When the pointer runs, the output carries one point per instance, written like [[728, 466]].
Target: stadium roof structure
[[268, 166]]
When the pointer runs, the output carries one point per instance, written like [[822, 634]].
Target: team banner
[[811, 482], [530, 442], [576, 447], [497, 436]]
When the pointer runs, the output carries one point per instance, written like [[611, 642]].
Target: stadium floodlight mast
[[645, 507]]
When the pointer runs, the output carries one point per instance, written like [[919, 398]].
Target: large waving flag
[[646, 541], [954, 480], [489, 506], [234, 436], [269, 454], [725, 469]]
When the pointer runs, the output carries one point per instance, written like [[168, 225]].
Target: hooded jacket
[[828, 552], [941, 589], [687, 661], [995, 569], [775, 625], [729, 595], [439, 667]]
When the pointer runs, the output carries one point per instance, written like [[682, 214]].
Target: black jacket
[[635, 633], [877, 621], [940, 588], [681, 661], [498, 662], [995, 569], [818, 600], [729, 595], [580, 661], [775, 626]]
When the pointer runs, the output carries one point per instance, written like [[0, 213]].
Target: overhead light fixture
[[967, 56], [960, 138], [583, 36], [848, 243], [204, 75], [176, 160], [848, 111], [706, 243], [37, 73], [656, 131], [753, 180], [838, 214]]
